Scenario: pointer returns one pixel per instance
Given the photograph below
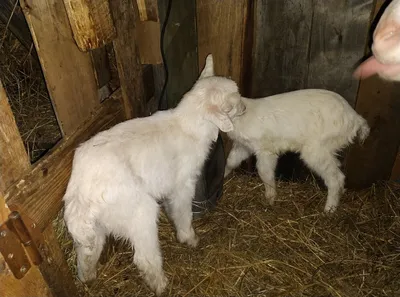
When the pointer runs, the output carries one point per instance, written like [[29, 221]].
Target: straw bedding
[[22, 78], [248, 248]]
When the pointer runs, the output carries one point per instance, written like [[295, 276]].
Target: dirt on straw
[[22, 78], [249, 248]]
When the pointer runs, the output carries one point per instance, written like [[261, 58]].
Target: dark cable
[[167, 13]]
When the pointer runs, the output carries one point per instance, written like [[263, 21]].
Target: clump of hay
[[22, 78], [248, 248]]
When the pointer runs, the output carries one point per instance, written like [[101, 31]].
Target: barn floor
[[292, 249]]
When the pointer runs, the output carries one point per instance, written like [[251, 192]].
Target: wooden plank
[[91, 23], [125, 15], [39, 193], [68, 71], [180, 46], [32, 284], [339, 31], [281, 44], [14, 160], [55, 268], [148, 10], [221, 31], [147, 33], [147, 36], [221, 27], [377, 101]]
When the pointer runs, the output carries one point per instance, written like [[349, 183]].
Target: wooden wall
[[270, 47]]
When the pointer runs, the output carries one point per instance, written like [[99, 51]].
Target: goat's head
[[218, 98]]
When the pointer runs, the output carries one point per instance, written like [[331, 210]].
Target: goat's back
[[290, 120]]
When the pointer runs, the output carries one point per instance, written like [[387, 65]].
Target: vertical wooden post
[[221, 31], [378, 101], [125, 15], [91, 23], [14, 163], [68, 71]]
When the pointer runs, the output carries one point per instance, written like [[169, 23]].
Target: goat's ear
[[208, 69], [219, 118]]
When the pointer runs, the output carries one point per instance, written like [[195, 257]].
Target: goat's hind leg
[[326, 165], [89, 242], [266, 164], [143, 233]]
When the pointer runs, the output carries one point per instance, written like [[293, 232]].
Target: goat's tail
[[363, 130]]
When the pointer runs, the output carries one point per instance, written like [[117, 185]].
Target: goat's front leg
[[237, 155], [266, 164], [179, 208]]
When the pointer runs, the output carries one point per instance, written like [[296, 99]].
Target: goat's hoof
[[330, 209], [158, 285], [88, 277], [191, 241], [270, 195]]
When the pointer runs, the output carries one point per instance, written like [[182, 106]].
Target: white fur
[[120, 176], [316, 123]]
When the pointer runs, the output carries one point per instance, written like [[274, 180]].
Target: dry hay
[[21, 76], [248, 248]]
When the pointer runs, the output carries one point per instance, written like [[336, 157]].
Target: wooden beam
[[373, 161], [147, 33], [221, 27], [14, 161], [125, 15], [40, 192], [147, 36], [91, 23], [221, 31], [68, 71], [377, 102]]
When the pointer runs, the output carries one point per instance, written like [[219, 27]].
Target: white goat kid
[[120, 175], [316, 123]]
